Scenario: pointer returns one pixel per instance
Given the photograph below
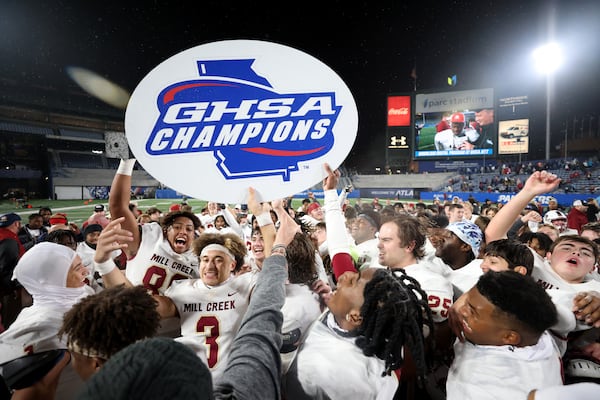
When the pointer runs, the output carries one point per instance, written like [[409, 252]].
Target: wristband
[[105, 267], [126, 167], [264, 219], [279, 249]]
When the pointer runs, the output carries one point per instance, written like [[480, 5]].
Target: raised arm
[[113, 237], [230, 218], [261, 212], [118, 203], [286, 221], [539, 182], [254, 367], [337, 240], [533, 216]]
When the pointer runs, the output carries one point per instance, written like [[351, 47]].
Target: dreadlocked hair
[[306, 228], [230, 240], [394, 312], [96, 323]]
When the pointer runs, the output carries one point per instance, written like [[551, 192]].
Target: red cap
[[175, 207], [58, 218], [313, 206], [458, 118]]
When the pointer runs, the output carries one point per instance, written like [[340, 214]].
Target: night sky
[[372, 45]]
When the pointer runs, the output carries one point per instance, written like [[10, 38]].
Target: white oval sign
[[215, 119]]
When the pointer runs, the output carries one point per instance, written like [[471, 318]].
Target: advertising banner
[[399, 111]]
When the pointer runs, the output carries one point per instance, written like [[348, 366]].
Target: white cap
[[552, 215]]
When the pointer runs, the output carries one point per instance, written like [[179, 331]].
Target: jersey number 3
[[209, 326]]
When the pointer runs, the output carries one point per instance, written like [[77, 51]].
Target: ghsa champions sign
[[215, 119]]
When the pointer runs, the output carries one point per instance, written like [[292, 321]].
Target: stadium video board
[[513, 125], [455, 124]]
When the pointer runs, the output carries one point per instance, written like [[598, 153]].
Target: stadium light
[[548, 58]]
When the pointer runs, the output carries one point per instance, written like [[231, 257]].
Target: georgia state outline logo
[[246, 125], [231, 121]]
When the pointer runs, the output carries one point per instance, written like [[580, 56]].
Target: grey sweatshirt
[[254, 367]]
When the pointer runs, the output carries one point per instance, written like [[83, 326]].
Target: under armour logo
[[398, 141]]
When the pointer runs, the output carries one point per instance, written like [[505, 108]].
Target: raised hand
[[333, 177], [531, 216], [254, 206], [113, 237], [586, 306], [541, 182]]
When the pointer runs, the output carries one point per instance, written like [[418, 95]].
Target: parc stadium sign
[[215, 119]]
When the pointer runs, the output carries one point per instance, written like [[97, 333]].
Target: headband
[[217, 247], [369, 219], [74, 347], [57, 219]]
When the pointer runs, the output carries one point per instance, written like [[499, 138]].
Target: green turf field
[[426, 137], [79, 210]]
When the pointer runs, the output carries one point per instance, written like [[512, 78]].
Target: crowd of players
[[325, 301]]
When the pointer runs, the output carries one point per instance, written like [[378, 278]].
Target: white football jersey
[[550, 280], [447, 140], [213, 315], [463, 279], [330, 366], [439, 290], [502, 372], [86, 253], [301, 308], [553, 283], [156, 265]]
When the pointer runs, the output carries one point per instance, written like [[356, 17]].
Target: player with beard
[[158, 254]]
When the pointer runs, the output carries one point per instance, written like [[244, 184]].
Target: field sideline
[[79, 210]]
